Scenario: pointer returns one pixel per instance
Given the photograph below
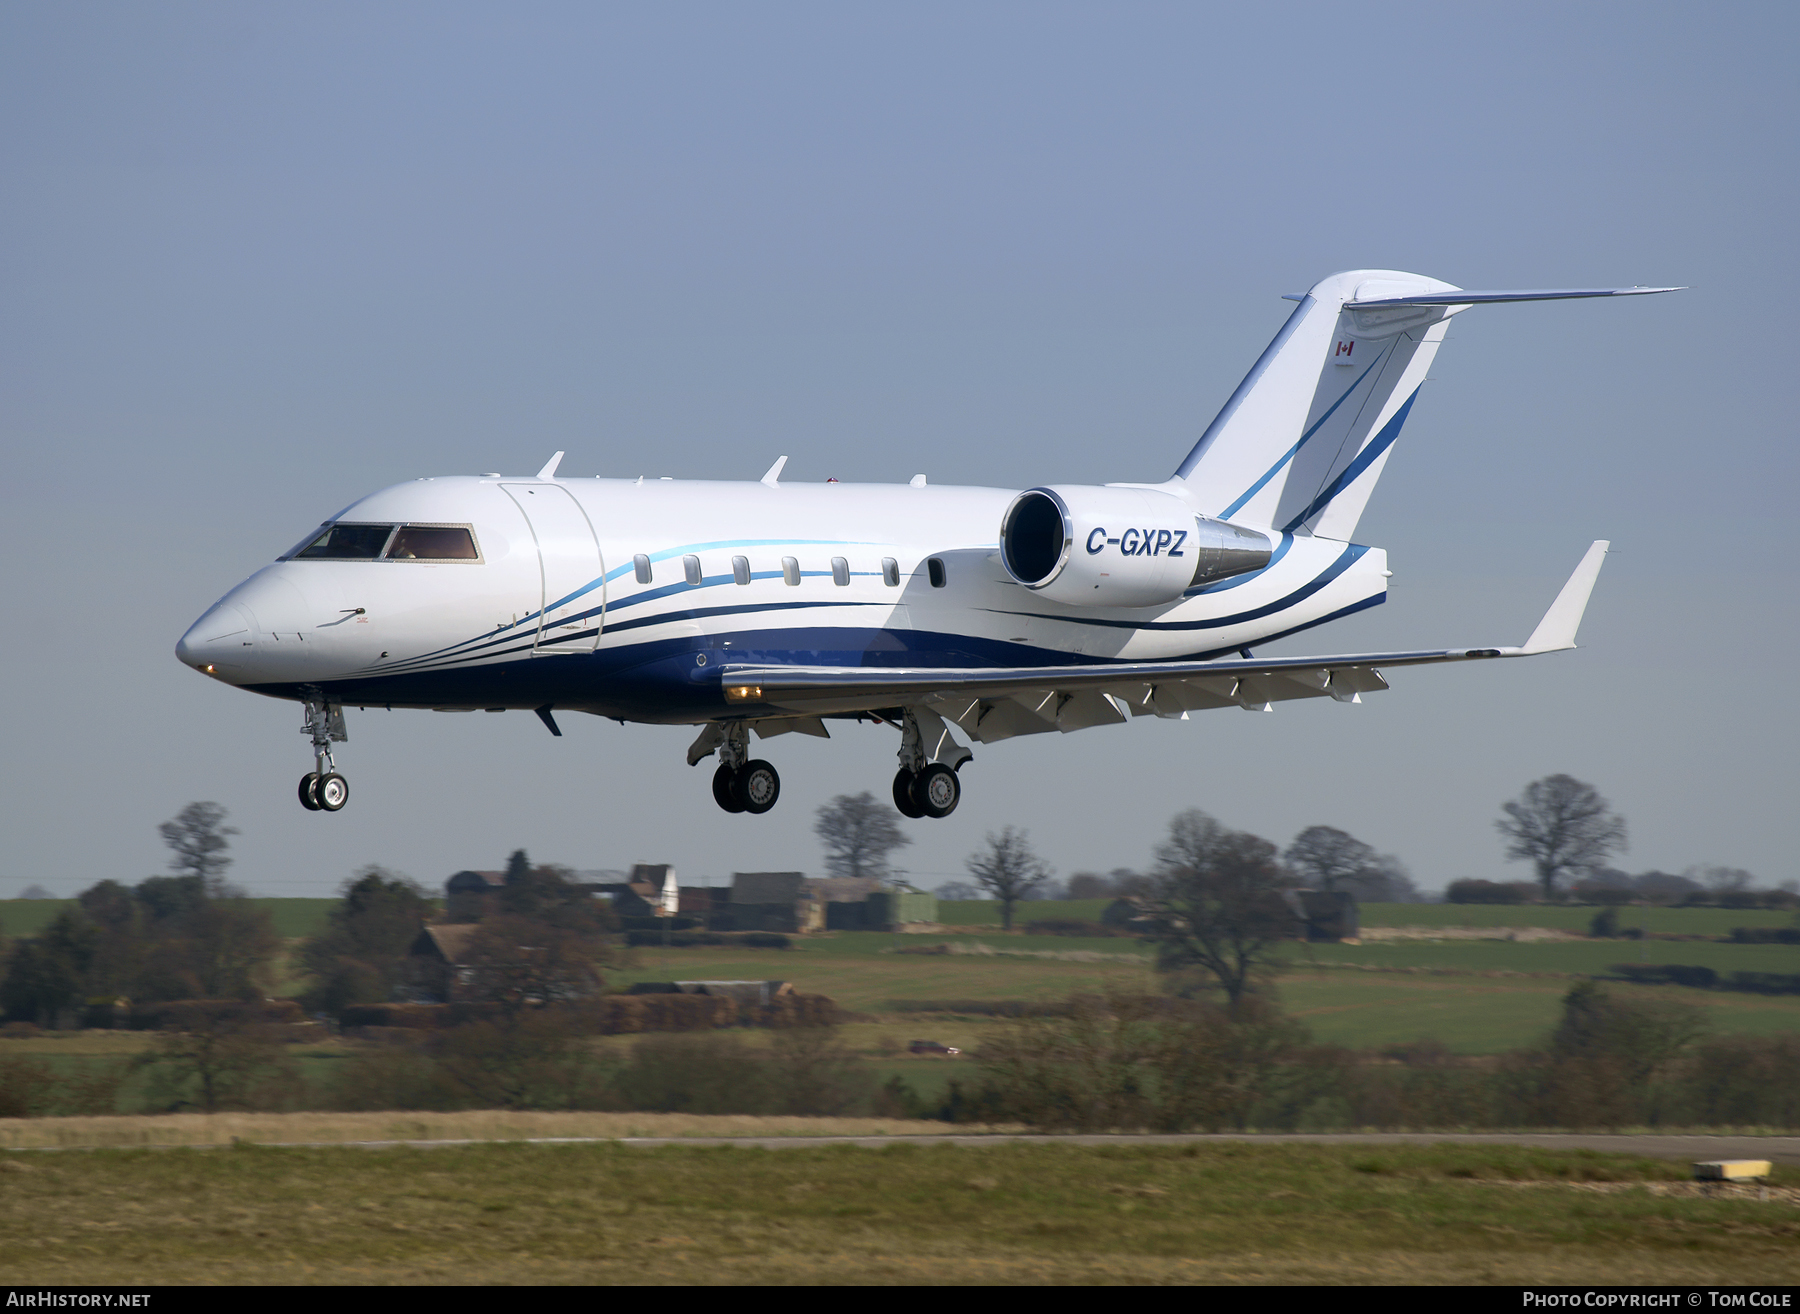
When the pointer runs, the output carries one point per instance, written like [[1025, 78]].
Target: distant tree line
[[1163, 1063], [186, 935]]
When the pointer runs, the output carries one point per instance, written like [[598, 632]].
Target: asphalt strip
[[1777, 1149]]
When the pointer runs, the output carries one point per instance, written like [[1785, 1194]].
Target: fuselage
[[627, 598]]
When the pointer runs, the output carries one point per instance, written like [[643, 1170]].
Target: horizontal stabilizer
[[1557, 630], [1461, 298]]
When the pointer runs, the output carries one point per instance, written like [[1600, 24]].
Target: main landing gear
[[927, 784], [933, 792], [322, 789], [742, 783]]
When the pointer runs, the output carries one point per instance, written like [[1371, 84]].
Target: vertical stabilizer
[[1300, 444]]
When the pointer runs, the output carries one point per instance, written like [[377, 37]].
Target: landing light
[[742, 693]]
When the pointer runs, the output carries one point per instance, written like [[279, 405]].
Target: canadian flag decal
[[1344, 348]]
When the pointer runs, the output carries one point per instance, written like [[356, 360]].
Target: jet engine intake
[[1119, 547]]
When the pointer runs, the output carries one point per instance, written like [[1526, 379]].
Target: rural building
[[436, 961], [881, 909], [788, 901], [640, 896], [745, 992], [1325, 914], [764, 901], [466, 894]]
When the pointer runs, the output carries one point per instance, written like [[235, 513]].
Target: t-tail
[[1300, 444]]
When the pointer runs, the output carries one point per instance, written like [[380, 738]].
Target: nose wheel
[[322, 789], [323, 793]]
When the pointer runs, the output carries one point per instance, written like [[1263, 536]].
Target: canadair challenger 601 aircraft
[[772, 607]]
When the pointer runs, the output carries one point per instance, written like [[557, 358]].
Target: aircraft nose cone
[[220, 642]]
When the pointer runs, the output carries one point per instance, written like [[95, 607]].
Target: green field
[[1575, 918], [918, 1214], [985, 912], [293, 918], [1476, 996], [860, 970], [1481, 1015], [1584, 957]]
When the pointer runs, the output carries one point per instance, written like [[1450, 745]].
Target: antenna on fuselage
[[549, 470], [773, 478]]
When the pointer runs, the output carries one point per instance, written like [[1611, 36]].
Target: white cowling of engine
[[1120, 547]]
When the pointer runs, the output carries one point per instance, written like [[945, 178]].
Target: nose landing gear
[[322, 789]]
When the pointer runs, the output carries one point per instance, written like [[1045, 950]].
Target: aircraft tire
[[332, 792], [903, 795], [308, 783], [758, 785], [936, 791], [723, 793]]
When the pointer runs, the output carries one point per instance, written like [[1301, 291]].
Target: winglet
[[1557, 629], [549, 470], [773, 478]]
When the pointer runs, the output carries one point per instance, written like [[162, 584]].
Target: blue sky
[[258, 261]]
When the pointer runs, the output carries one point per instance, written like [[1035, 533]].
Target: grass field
[[223, 1129], [293, 918], [1481, 1015], [984, 912], [1477, 996], [1674, 921], [1002, 1213]]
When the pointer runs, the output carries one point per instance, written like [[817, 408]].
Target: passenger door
[[571, 602]]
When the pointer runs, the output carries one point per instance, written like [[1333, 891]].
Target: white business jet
[[773, 608]]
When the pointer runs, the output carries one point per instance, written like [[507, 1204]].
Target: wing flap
[[1007, 701]]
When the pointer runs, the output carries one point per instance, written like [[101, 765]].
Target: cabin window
[[692, 566], [345, 543], [740, 569], [890, 572], [935, 568], [840, 572], [432, 543], [790, 572], [641, 564]]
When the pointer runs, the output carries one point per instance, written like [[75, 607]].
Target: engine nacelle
[[1120, 547]]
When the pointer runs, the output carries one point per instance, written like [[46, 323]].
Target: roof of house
[[843, 889], [766, 886], [475, 880], [445, 942]]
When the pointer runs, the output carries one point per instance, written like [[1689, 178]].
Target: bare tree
[[1560, 825], [1087, 885], [226, 1055], [859, 831], [1217, 906], [1722, 880], [197, 836], [1326, 858], [1008, 870], [524, 962]]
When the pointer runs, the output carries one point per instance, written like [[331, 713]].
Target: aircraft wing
[[993, 703]]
